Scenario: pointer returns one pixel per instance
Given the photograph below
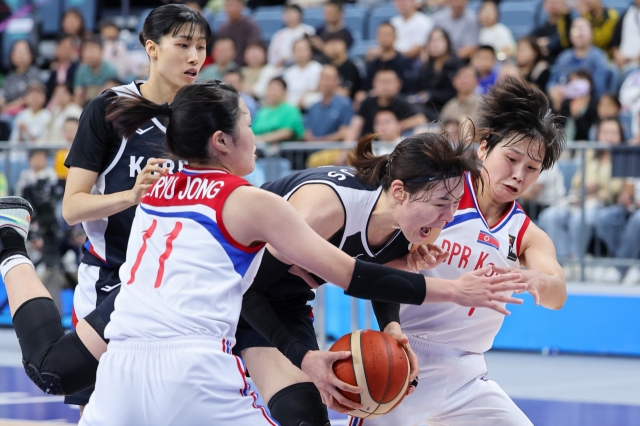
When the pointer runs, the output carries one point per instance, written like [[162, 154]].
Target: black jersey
[[98, 147], [358, 201]]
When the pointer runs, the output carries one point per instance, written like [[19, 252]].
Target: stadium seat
[[269, 22], [313, 16], [620, 5], [360, 48], [48, 13], [380, 14], [87, 8], [474, 6], [354, 19], [279, 9], [518, 16]]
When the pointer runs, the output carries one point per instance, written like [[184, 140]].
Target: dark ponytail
[[197, 112], [420, 161]]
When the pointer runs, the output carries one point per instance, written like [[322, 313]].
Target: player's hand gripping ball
[[378, 365]]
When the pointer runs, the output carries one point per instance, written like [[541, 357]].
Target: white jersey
[[184, 274], [472, 244]]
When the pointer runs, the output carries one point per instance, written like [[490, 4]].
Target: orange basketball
[[378, 365]]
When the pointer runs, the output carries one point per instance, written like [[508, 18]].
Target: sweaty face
[[418, 216], [179, 58], [510, 168], [243, 155]]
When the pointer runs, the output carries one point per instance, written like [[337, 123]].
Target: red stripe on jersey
[[145, 236], [167, 252], [521, 232], [93, 252], [467, 200], [74, 318], [253, 394]]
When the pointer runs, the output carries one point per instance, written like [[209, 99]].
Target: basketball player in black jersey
[[374, 212], [109, 174]]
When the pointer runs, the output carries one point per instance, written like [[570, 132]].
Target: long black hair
[[514, 110], [170, 19], [197, 112]]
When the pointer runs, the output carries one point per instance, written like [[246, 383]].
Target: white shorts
[[452, 392], [178, 381]]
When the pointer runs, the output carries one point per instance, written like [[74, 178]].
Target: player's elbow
[[69, 213]]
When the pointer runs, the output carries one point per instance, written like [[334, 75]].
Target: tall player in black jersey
[[109, 174], [374, 212]]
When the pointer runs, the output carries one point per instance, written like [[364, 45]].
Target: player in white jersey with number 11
[[519, 138]]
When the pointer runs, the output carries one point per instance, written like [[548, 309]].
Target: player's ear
[[220, 142], [482, 150], [151, 47], [397, 191]]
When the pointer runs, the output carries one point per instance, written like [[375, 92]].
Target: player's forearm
[[83, 207], [553, 292]]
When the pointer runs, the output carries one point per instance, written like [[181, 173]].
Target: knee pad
[[58, 363], [299, 405]]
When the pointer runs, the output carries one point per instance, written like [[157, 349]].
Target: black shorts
[[297, 316]]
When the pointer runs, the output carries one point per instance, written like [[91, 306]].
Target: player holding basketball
[[109, 174], [194, 249], [373, 212], [520, 137]]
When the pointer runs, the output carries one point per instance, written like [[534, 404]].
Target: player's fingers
[[413, 267], [436, 249], [153, 160], [414, 364], [536, 296], [501, 297], [338, 402], [502, 270], [503, 278], [306, 277], [336, 356], [345, 386], [495, 288], [481, 271]]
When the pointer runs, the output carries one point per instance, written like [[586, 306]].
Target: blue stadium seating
[[380, 14], [15, 4], [269, 22], [354, 19], [313, 16], [87, 8], [518, 16], [360, 48], [279, 9], [620, 5], [474, 6], [48, 13], [216, 20]]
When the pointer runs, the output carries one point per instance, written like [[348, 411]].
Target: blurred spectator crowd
[[317, 70]]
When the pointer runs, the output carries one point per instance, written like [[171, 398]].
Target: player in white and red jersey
[[519, 137]]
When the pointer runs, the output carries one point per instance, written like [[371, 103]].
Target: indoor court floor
[[560, 390]]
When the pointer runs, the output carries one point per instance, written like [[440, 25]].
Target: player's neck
[[491, 210], [158, 91], [382, 223]]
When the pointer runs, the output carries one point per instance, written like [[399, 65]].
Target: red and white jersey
[[472, 244], [184, 274]]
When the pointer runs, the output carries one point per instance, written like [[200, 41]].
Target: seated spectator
[[333, 27], [281, 44], [38, 170], [412, 28], [583, 55], [328, 119], [278, 120], [619, 226], [335, 49], [493, 33], [548, 189], [92, 73], [579, 106], [461, 25], [223, 53], [62, 108], [483, 61], [239, 28], [257, 74], [388, 130], [435, 79], [562, 222], [64, 64], [72, 23], [608, 106], [22, 74], [69, 130], [531, 64], [508, 69], [628, 53], [467, 101], [386, 86], [603, 22], [30, 123], [630, 98], [302, 77], [553, 35], [114, 50], [389, 58], [234, 79]]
